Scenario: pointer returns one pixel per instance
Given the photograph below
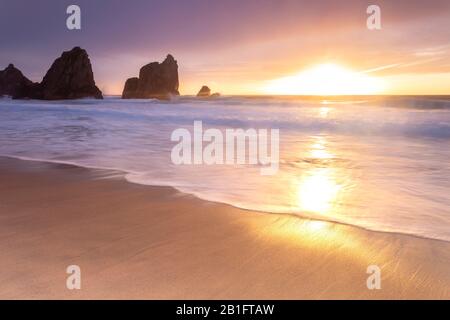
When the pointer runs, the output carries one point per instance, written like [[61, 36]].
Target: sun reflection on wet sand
[[314, 234], [321, 243], [320, 189]]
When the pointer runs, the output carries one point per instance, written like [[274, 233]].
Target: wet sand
[[141, 242]]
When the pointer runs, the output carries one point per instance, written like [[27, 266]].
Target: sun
[[325, 80]]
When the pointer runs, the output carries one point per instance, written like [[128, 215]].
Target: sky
[[241, 47]]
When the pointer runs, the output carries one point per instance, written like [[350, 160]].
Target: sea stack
[[69, 77], [205, 91], [156, 80], [13, 83]]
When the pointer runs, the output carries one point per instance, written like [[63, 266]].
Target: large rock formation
[[69, 77], [13, 83], [156, 80]]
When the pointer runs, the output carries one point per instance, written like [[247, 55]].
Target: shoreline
[[135, 241], [123, 173]]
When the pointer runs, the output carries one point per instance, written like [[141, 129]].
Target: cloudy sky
[[236, 46]]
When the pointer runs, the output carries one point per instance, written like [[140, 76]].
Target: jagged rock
[[156, 80], [205, 91], [13, 83], [215, 95], [70, 77]]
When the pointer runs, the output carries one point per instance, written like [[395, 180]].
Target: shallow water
[[378, 163]]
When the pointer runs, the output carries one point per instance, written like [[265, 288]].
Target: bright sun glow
[[325, 79]]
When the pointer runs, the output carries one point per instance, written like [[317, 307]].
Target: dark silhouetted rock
[[130, 89], [70, 77], [13, 83], [205, 91], [156, 80]]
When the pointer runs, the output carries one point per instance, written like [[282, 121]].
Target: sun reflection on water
[[323, 112], [318, 191], [318, 188]]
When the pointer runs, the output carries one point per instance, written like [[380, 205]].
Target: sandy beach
[[140, 242]]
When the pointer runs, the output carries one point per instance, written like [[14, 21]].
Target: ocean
[[379, 163]]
